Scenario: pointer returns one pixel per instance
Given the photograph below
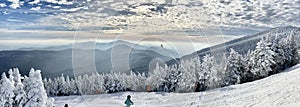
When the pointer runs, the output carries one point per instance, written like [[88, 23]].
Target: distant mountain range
[[119, 56], [103, 47]]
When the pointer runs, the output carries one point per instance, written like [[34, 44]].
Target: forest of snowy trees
[[272, 55], [19, 91]]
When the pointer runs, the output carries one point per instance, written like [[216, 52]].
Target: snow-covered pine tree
[[26, 84], [78, 81], [197, 70], [99, 83], [6, 92], [139, 82], [62, 85], [215, 77], [187, 80], [66, 86], [91, 80], [246, 74], [119, 83], [129, 81], [209, 76], [204, 74], [11, 77], [290, 49], [74, 90], [280, 55], [51, 85], [262, 59], [20, 95], [47, 85], [86, 85], [36, 95], [155, 79], [234, 68], [171, 79]]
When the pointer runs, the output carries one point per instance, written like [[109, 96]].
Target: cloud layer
[[148, 16]]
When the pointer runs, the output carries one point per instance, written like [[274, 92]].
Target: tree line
[[272, 54]]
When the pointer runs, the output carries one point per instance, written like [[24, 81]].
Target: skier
[[128, 102], [66, 105]]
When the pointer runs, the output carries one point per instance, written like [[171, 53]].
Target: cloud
[[36, 8], [163, 16], [34, 2], [2, 5], [14, 4]]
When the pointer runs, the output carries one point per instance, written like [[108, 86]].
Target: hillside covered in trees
[[272, 54]]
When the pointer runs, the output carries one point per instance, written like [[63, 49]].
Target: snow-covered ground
[[282, 90]]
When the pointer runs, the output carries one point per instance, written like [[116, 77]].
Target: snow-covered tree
[[155, 79], [290, 50], [262, 59], [36, 95], [170, 81], [187, 80], [78, 82], [6, 92], [138, 81], [209, 77], [279, 56], [234, 68], [66, 88], [73, 86], [20, 95]]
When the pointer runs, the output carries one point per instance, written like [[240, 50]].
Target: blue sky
[[27, 23]]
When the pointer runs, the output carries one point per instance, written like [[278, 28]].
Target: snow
[[280, 90]]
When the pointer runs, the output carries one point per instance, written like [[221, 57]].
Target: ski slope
[[280, 90]]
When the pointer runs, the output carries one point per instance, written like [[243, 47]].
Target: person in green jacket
[[128, 102]]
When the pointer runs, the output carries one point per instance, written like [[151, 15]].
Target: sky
[[199, 23]]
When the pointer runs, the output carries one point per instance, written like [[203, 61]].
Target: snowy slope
[[282, 90]]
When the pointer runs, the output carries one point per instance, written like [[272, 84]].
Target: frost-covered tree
[[210, 75], [170, 81], [36, 95], [20, 95], [279, 57], [187, 80], [138, 81], [262, 59], [74, 89], [78, 83], [66, 89], [155, 79], [234, 68], [6, 92], [290, 50]]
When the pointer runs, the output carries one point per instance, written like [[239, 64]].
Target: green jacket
[[128, 102]]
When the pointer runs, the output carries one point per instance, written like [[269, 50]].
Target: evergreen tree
[[187, 80], [36, 95], [6, 92], [262, 59], [20, 95], [279, 56], [209, 76], [234, 68], [155, 80]]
